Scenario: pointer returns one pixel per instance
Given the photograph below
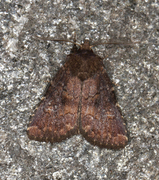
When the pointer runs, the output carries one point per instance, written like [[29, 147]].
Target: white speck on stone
[[11, 45]]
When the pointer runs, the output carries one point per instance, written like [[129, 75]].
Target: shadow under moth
[[80, 100]]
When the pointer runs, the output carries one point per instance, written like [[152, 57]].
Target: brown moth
[[80, 100]]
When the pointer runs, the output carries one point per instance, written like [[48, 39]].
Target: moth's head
[[86, 45]]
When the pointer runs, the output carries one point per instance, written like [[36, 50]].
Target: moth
[[80, 100]]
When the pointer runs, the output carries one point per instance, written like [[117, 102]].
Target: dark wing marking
[[101, 122]]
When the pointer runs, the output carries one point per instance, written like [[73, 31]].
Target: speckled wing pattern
[[80, 99], [101, 122], [55, 119]]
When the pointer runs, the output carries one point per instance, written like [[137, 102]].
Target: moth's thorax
[[84, 64]]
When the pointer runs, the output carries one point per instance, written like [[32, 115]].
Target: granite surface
[[27, 64]]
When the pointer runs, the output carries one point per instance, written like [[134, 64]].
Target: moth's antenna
[[115, 43], [57, 40]]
